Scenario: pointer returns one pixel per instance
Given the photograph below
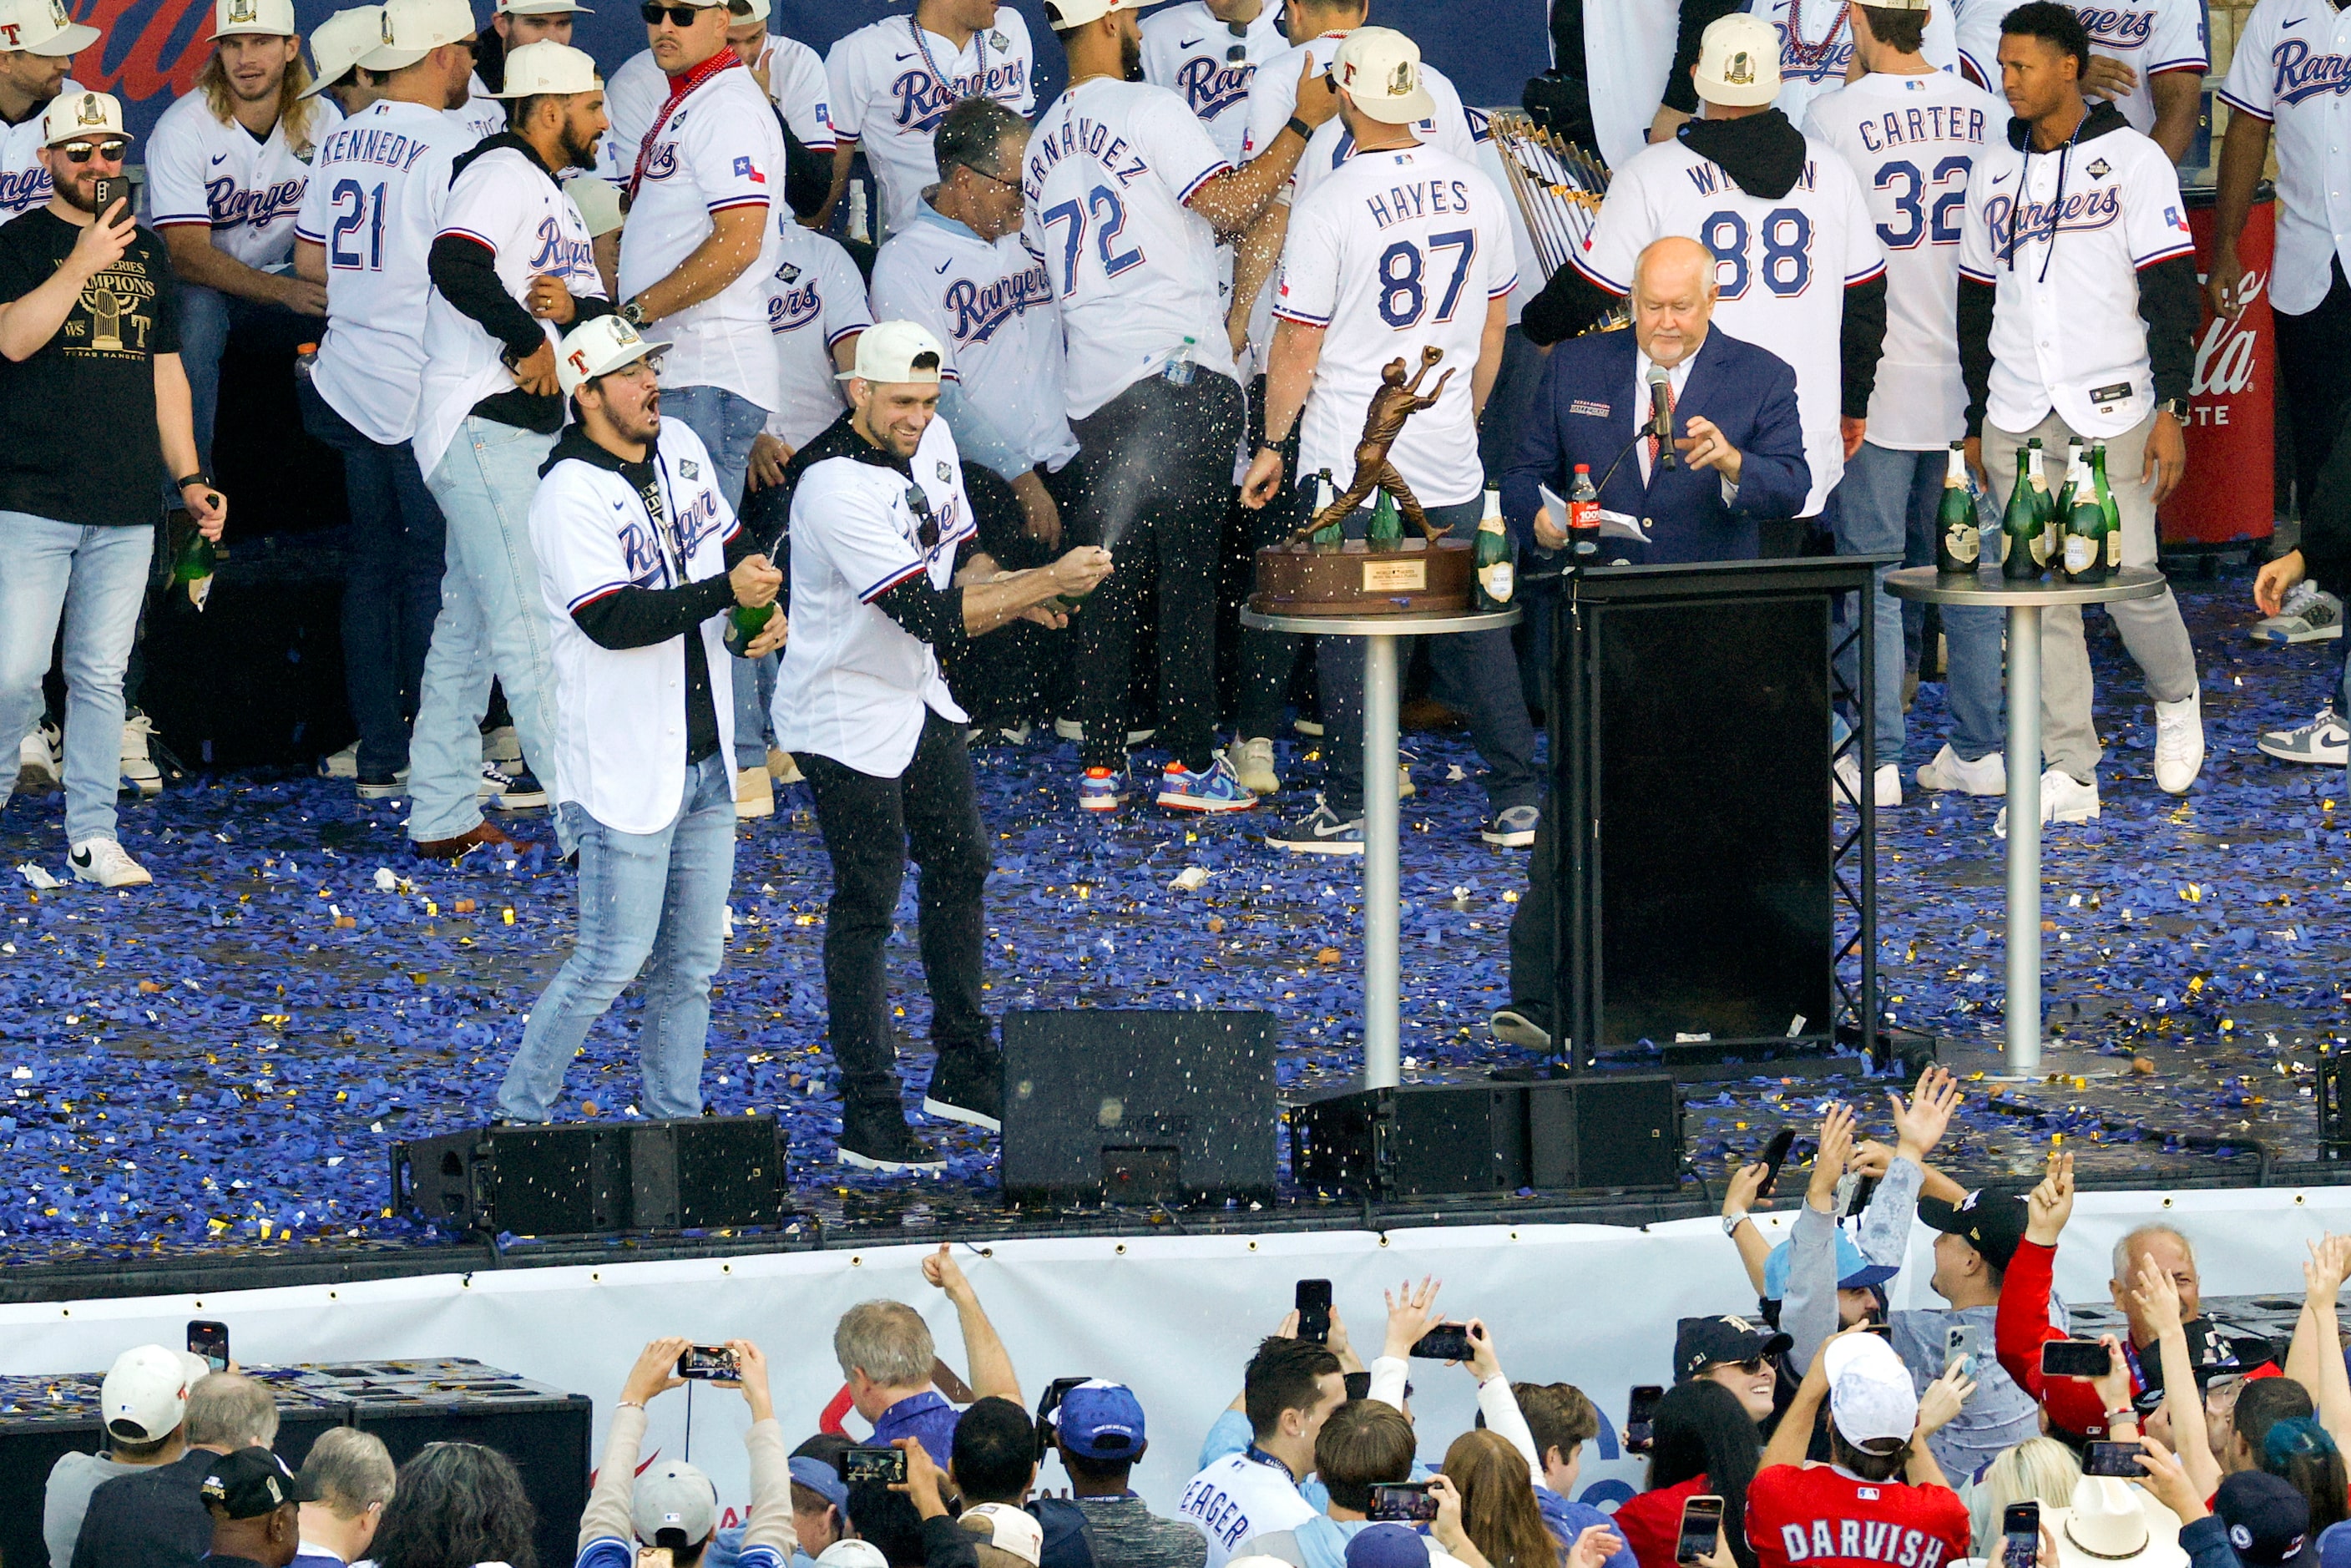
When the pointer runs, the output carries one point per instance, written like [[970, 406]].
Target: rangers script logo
[[978, 311], [2302, 73], [1210, 87]]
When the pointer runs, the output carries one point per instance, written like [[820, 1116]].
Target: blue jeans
[[492, 621], [645, 899], [728, 423], [392, 582], [97, 578], [1479, 668]]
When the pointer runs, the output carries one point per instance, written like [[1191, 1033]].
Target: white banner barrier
[[1175, 1317]]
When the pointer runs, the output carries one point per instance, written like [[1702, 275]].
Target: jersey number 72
[[1107, 215]]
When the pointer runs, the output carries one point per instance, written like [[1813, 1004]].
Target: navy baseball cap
[[1701, 1342], [2268, 1520], [1100, 1420], [247, 1483], [1387, 1546]]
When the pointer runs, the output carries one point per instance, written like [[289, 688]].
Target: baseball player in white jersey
[[1797, 257], [38, 43], [337, 46], [378, 182], [1911, 134], [2150, 60], [1209, 50], [1126, 197], [512, 264], [816, 309], [2077, 312], [225, 201], [893, 79], [638, 561], [1817, 44], [790, 72], [512, 25], [1402, 253]]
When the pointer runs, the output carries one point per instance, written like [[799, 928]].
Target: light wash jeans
[[728, 423], [649, 902], [97, 578], [492, 621]]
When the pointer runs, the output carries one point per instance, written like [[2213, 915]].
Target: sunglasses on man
[[111, 150], [679, 16]]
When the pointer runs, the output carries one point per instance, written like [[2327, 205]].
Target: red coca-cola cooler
[[2229, 496]]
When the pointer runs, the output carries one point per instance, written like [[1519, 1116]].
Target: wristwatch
[[2177, 407], [631, 312], [1731, 1222]]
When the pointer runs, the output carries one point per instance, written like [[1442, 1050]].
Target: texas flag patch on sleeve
[[746, 169]]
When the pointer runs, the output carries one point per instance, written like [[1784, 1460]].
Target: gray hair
[[2126, 1249], [887, 1341], [351, 1469], [230, 1410]]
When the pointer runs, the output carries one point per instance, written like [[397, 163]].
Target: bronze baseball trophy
[[1397, 401]]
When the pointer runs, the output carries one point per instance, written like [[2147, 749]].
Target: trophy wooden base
[[1416, 577]]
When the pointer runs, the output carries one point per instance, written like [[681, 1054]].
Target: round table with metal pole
[[2023, 598], [1383, 1047]]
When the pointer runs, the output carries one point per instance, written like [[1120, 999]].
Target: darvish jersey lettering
[[1394, 251], [377, 184], [1816, 46], [2151, 36], [893, 81], [1783, 266], [201, 173], [25, 182], [1823, 1516], [719, 150], [1912, 142], [505, 203], [1189, 51], [815, 300], [1108, 170], [2062, 238], [796, 85], [2293, 68]]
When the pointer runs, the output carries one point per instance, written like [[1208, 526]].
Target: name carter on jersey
[[1858, 1538], [978, 311], [923, 99], [1929, 122], [2302, 74]]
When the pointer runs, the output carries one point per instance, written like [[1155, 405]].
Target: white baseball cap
[[1009, 1529], [547, 67], [273, 17], [598, 348], [674, 1495], [541, 8], [72, 114], [145, 1394], [1902, 5], [886, 352], [412, 30], [738, 12], [1871, 1397], [599, 201], [42, 28], [1739, 63], [337, 44], [1379, 70], [851, 1553], [1062, 14]]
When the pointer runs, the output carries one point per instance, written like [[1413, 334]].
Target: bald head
[[1673, 299]]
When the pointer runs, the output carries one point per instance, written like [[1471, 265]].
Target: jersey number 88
[[1786, 265]]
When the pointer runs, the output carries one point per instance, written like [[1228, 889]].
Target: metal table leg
[[2023, 839], [1382, 1055]]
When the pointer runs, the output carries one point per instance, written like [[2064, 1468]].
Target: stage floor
[[216, 1067]]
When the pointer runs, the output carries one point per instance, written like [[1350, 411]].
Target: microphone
[[1661, 414]]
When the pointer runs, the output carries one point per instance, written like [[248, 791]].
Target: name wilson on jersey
[[1862, 1539], [978, 311], [2013, 224], [923, 99], [1210, 87], [2302, 74], [231, 206]]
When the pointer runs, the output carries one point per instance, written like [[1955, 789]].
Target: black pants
[[869, 824], [1533, 978], [1156, 476], [1015, 674], [2313, 349]]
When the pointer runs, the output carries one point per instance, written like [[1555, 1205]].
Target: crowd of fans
[[1840, 1435]]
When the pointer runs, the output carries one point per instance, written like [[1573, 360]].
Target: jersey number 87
[[1786, 265], [1404, 298]]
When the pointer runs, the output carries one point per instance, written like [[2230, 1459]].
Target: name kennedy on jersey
[[923, 99], [1857, 1538], [1210, 87], [2301, 74], [978, 311], [368, 144]]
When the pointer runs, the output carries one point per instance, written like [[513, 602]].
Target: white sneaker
[[2179, 743], [501, 745], [2063, 798], [343, 764], [1986, 775], [37, 761], [1252, 761], [107, 863], [139, 770], [1406, 788], [2325, 740], [1845, 788], [1070, 729]]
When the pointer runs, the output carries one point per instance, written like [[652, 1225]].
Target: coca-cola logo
[[2224, 349]]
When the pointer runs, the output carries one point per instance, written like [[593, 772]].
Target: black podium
[[1706, 888]]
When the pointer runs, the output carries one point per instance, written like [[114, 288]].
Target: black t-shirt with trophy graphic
[[77, 441]]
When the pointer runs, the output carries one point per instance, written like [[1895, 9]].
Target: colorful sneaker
[[1217, 789], [1102, 788]]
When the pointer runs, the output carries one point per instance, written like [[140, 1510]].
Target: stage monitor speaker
[[1111, 1106], [1586, 1131], [695, 1173]]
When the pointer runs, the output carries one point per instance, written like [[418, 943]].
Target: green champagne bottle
[[1335, 535], [2021, 543], [192, 564], [2085, 557], [1959, 542], [1497, 577], [2065, 490], [1387, 524], [744, 624], [2107, 504], [2045, 503]]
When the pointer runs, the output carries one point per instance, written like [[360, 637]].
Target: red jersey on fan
[[1820, 1515]]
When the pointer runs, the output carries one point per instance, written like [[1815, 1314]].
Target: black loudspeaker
[[1138, 1107], [1595, 1131], [584, 1179]]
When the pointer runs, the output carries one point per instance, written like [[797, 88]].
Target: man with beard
[[512, 266], [91, 329], [42, 41]]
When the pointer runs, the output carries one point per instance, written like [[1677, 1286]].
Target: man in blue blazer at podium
[[1739, 452]]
